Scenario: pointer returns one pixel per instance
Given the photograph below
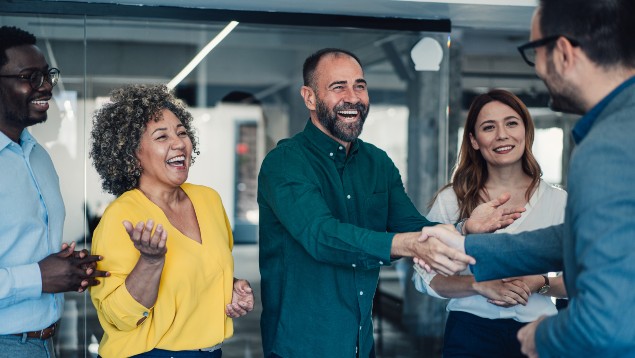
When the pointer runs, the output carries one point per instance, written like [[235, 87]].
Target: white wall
[[387, 128], [216, 130]]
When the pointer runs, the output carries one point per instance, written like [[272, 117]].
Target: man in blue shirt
[[585, 53], [33, 272]]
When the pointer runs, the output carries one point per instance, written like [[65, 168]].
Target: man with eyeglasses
[[584, 52], [34, 272]]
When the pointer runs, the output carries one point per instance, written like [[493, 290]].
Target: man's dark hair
[[604, 28], [11, 36], [310, 64]]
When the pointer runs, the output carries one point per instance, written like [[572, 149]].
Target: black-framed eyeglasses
[[528, 50], [36, 78]]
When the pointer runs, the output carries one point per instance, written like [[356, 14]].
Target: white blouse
[[545, 208]]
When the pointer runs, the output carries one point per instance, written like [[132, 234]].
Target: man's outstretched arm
[[424, 247]]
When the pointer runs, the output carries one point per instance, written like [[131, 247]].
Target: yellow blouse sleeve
[[111, 297]]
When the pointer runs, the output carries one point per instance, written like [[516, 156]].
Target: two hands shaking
[[441, 248]]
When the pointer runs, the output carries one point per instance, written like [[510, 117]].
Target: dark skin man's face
[[22, 106]]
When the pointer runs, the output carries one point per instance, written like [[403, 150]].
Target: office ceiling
[[513, 15], [128, 49]]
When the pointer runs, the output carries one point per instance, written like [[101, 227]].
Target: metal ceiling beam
[[404, 73], [209, 15]]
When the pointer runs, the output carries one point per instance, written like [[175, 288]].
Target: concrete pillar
[[455, 104], [427, 131], [424, 316]]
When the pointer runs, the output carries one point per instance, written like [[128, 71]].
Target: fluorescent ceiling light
[[201, 55], [531, 3]]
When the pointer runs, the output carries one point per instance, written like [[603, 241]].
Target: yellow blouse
[[196, 283]]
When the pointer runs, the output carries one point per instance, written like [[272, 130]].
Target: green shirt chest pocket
[[376, 212]]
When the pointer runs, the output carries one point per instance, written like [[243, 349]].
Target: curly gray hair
[[118, 127]]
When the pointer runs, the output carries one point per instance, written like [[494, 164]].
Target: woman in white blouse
[[495, 158]]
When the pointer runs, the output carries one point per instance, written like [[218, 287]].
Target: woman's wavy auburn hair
[[470, 173], [118, 127]]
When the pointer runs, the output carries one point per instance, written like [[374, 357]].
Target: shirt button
[[381, 262], [145, 314], [361, 293], [340, 148], [348, 196], [331, 154], [360, 328], [354, 265]]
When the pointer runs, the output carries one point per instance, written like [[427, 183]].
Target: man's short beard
[[25, 121], [346, 132], [563, 100], [11, 114]]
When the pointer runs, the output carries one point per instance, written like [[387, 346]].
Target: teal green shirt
[[327, 221]]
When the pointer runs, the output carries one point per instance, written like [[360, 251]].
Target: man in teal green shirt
[[333, 210]]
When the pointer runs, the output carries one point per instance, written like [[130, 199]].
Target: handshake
[[437, 248], [441, 248]]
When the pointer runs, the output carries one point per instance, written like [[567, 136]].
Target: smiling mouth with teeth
[[348, 114], [502, 149], [177, 161]]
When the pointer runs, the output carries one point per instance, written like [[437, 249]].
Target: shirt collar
[[27, 142], [585, 123], [329, 146], [4, 141]]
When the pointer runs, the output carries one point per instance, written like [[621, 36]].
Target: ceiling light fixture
[[427, 54], [201, 55]]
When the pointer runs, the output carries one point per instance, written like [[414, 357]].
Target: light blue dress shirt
[[31, 221]]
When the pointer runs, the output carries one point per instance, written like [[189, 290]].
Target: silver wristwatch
[[545, 288], [460, 225]]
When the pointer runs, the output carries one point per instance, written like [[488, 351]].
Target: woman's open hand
[[152, 246], [491, 216]]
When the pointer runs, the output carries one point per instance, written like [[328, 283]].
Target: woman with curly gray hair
[[159, 302]]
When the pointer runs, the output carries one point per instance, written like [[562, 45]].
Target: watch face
[[544, 289]]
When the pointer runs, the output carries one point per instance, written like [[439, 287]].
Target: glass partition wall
[[244, 96]]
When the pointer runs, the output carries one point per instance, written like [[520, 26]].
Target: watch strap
[[545, 288]]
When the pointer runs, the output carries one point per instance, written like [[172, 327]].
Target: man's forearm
[[509, 255], [403, 244]]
